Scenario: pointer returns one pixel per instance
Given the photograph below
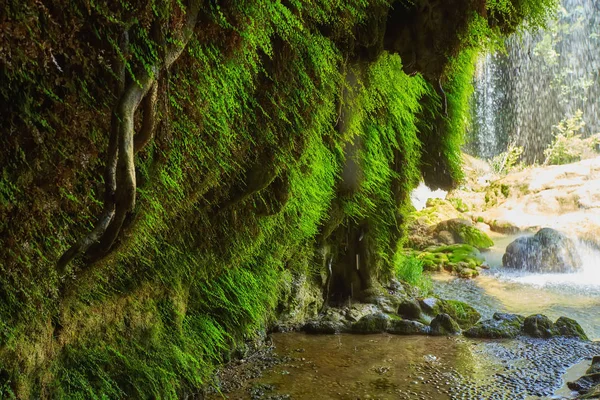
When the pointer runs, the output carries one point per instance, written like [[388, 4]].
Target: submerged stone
[[406, 327], [443, 324]]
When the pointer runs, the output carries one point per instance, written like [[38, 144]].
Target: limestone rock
[[546, 251]]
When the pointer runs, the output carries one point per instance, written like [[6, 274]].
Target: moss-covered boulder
[[443, 324], [547, 251], [324, 327], [570, 328], [463, 231], [461, 259], [373, 323], [464, 314], [406, 327], [410, 309], [539, 326], [500, 326]]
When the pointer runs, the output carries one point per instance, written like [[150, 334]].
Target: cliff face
[[217, 152]]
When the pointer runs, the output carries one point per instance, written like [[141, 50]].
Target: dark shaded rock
[[570, 328], [406, 327], [373, 323], [501, 326], [546, 251], [585, 383], [409, 309], [443, 324], [539, 326], [428, 305], [324, 327]]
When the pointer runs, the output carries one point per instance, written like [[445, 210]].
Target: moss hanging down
[[286, 137]]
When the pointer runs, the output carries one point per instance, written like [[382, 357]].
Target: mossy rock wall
[[242, 186]]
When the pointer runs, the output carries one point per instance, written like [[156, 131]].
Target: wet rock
[[501, 326], [585, 383], [324, 327], [570, 328], [409, 309], [428, 305], [504, 227], [385, 302], [539, 326], [406, 327], [445, 237], [547, 251], [462, 231], [373, 323], [443, 324], [464, 314]]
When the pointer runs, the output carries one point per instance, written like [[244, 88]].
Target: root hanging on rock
[[120, 180]]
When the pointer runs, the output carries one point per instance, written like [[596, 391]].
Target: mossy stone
[[406, 327], [409, 309], [539, 326], [463, 231], [372, 323], [501, 326], [443, 324], [570, 328]]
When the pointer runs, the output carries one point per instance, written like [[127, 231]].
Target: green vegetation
[[410, 269], [567, 146], [287, 139]]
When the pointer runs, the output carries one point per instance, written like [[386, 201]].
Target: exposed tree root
[[120, 181]]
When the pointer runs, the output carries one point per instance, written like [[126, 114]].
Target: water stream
[[576, 295]]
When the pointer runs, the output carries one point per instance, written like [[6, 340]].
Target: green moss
[[232, 193], [474, 237]]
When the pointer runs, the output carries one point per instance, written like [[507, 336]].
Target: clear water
[[575, 295]]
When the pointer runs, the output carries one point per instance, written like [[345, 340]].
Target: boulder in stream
[[570, 328], [462, 231], [443, 324], [501, 326], [539, 326], [548, 251], [372, 323], [406, 327]]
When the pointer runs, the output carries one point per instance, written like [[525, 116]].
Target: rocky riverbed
[[384, 366]]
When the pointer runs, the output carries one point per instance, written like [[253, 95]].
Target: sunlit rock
[[546, 251]]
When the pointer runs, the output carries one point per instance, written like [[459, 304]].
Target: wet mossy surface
[[290, 135]]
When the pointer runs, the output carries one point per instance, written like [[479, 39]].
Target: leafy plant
[[507, 161], [409, 269], [567, 146]]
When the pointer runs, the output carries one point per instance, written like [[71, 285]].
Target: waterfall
[[541, 79]]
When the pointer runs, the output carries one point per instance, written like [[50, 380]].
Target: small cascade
[[586, 280], [542, 79]]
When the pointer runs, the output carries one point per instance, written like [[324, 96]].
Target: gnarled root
[[120, 181]]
